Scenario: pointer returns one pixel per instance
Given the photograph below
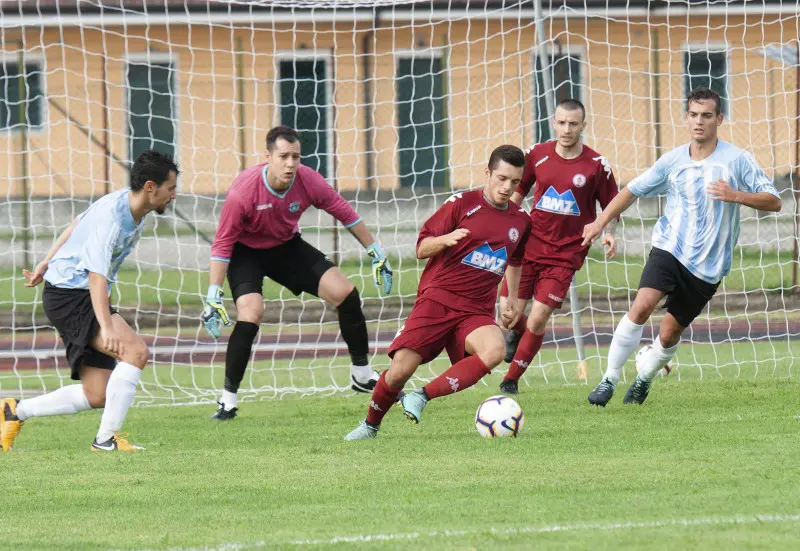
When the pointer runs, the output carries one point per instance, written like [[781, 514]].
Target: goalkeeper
[[258, 236]]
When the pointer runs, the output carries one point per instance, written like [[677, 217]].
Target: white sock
[[64, 401], [655, 359], [362, 373], [229, 400], [626, 338], [119, 396]]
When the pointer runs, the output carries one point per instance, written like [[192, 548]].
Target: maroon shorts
[[546, 284], [432, 327]]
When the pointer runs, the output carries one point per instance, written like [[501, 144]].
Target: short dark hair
[[281, 132], [511, 154], [151, 166], [704, 93], [571, 104]]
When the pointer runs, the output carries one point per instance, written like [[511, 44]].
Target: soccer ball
[[640, 354], [499, 416]]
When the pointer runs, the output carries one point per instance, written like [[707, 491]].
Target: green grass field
[[172, 288], [704, 464]]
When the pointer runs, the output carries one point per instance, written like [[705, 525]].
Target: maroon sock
[[529, 346], [461, 375], [383, 396], [521, 324]]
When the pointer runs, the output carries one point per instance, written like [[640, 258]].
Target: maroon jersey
[[465, 276], [564, 201]]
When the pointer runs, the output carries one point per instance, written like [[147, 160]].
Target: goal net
[[398, 105]]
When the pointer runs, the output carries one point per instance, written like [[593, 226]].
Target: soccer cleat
[[512, 342], [367, 386], [637, 392], [602, 393], [509, 387], [223, 414], [362, 432], [117, 443], [10, 424], [413, 403]]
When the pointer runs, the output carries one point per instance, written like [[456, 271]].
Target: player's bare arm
[[513, 307], [98, 290], [609, 239], [517, 198], [617, 206], [216, 272], [431, 246], [362, 234], [37, 275], [721, 191]]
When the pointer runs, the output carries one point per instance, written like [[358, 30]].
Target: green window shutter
[[304, 107], [151, 108], [709, 69], [10, 96], [421, 130], [565, 77]]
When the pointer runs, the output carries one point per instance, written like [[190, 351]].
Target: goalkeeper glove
[[214, 314], [380, 267]]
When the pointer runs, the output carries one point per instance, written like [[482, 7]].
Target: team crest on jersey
[[294, 207], [579, 180], [484, 258], [559, 203], [513, 234]]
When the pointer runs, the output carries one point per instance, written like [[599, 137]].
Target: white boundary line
[[605, 527]]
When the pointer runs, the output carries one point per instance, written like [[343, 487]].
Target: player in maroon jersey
[[570, 179], [471, 241]]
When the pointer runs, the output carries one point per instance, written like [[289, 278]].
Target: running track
[[23, 352]]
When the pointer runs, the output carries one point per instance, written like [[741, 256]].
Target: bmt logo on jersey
[[484, 258], [559, 203]]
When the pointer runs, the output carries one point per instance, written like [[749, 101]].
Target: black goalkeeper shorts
[[687, 294], [295, 264]]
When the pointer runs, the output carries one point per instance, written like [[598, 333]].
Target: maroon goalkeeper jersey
[[564, 201], [256, 215], [465, 276]]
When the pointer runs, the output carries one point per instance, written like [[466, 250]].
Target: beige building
[[396, 97]]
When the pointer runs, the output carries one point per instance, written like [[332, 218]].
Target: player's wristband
[[214, 292]]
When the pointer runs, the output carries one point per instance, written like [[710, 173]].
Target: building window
[[421, 125], [564, 68], [707, 68], [305, 107], [12, 101], [151, 107]]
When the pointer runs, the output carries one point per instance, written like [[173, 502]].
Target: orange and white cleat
[[118, 442]]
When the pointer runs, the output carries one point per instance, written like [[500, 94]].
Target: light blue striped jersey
[[103, 237], [699, 231]]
